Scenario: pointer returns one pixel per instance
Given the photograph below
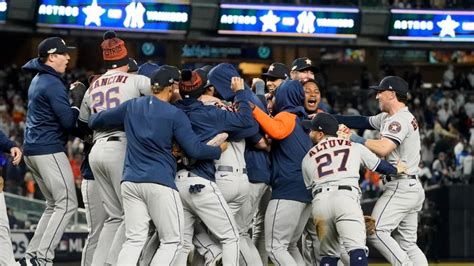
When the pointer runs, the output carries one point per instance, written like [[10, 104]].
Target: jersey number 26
[[107, 100]]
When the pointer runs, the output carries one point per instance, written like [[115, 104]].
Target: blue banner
[[432, 25], [3, 11], [126, 15], [302, 21]]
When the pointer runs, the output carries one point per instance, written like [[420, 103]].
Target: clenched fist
[[344, 131]]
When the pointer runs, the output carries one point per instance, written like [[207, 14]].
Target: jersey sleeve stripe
[[371, 124], [376, 165], [395, 140]]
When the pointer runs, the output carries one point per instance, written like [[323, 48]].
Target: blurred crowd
[[444, 114]]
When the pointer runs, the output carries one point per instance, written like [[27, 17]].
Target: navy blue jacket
[[288, 153], [151, 125], [208, 121], [50, 116], [257, 161]]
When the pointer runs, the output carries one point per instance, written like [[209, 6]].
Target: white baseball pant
[[398, 209], [210, 207], [6, 254], [53, 174], [284, 224], [162, 204], [95, 216], [107, 160]]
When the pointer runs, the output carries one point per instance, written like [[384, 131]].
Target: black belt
[[390, 178], [227, 168], [319, 190], [113, 138], [190, 174]]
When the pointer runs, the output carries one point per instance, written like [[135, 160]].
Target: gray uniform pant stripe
[[95, 216], [284, 224], [53, 174], [145, 201]]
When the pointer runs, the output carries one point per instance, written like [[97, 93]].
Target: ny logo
[[135, 12], [306, 22]]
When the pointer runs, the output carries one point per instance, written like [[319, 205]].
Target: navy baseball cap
[[53, 45], [147, 69], [277, 70], [132, 65], [162, 78], [303, 63], [323, 122], [174, 70], [392, 83]]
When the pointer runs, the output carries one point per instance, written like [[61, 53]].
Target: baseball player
[[107, 156], [49, 118], [200, 195], [331, 170], [304, 70], [290, 198], [231, 174], [95, 211], [403, 197], [256, 158], [312, 99], [275, 75], [148, 188], [6, 256]]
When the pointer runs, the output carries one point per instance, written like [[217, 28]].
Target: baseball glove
[[369, 225]]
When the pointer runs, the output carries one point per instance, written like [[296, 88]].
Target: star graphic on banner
[[269, 21], [93, 13], [447, 27]]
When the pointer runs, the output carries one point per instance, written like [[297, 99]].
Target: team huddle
[[195, 166]]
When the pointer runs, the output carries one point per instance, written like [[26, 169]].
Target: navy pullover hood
[[35, 66], [257, 161], [220, 77], [50, 116], [289, 97]]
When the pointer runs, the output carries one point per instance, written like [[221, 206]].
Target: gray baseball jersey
[[401, 128], [110, 90], [331, 164], [336, 161], [398, 206]]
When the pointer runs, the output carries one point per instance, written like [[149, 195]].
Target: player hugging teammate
[[290, 177]]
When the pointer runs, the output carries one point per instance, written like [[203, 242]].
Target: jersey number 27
[[325, 160]]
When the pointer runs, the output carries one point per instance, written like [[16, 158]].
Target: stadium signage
[[303, 21], [431, 25], [225, 51], [127, 15], [3, 10]]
